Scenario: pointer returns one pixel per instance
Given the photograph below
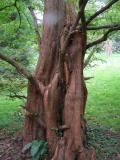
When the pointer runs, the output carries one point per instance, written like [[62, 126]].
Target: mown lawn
[[103, 108], [103, 104], [10, 114]]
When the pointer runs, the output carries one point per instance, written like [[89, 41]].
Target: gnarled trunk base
[[61, 102], [60, 153]]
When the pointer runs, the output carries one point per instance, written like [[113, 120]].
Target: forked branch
[[17, 65], [82, 4], [23, 71], [103, 9], [102, 27], [35, 24], [103, 38]]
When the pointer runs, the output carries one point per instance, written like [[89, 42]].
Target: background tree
[[57, 92]]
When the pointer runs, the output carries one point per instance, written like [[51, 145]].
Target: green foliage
[[108, 17], [37, 4], [38, 149], [18, 41]]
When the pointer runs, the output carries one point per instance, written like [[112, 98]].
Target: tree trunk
[[46, 69], [51, 108]]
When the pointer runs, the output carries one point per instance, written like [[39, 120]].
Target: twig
[[35, 24], [102, 27], [16, 96], [87, 78], [88, 59]]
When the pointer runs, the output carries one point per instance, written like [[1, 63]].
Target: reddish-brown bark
[[58, 104], [74, 95], [46, 68]]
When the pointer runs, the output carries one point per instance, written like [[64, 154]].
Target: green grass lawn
[[10, 114], [103, 105], [103, 108]]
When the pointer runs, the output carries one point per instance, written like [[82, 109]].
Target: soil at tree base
[[11, 147]]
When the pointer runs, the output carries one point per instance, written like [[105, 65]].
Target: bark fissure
[[59, 75], [47, 103], [62, 100]]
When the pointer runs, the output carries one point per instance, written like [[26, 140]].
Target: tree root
[[63, 152]]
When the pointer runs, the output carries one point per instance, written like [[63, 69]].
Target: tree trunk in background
[[52, 108]]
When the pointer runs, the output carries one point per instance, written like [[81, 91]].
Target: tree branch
[[39, 86], [35, 24], [103, 38], [83, 25], [103, 9], [102, 27], [82, 4], [17, 96], [17, 65]]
